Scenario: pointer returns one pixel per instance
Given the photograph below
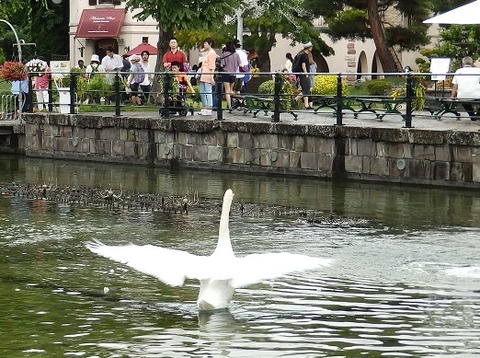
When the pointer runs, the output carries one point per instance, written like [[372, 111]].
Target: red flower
[[12, 71]]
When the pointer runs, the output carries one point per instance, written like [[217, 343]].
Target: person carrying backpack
[[300, 68], [137, 76]]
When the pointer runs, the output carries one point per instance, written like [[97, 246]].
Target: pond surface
[[405, 281]]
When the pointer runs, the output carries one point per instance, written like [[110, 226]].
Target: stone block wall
[[386, 155]]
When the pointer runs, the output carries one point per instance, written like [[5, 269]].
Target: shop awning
[[142, 47], [100, 23]]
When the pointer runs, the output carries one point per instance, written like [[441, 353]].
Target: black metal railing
[[276, 97]]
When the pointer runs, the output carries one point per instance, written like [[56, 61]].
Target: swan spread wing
[[258, 267], [168, 265]]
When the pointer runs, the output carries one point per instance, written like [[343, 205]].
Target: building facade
[[96, 24]]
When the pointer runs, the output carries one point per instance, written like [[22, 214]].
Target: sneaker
[[208, 112], [202, 112]]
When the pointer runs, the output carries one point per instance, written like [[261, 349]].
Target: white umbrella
[[463, 15]]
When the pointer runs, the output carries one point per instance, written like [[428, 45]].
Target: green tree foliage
[[456, 41], [180, 15], [35, 21], [173, 17], [287, 18], [363, 19]]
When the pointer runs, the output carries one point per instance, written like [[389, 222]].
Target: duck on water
[[219, 274]]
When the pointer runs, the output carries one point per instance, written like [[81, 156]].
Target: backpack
[[297, 64], [139, 76], [218, 64]]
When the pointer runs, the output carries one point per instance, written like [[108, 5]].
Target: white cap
[[95, 58], [308, 44]]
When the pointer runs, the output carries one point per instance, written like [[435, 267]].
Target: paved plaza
[[420, 120]]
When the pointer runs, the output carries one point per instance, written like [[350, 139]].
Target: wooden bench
[[255, 104], [380, 106], [438, 106]]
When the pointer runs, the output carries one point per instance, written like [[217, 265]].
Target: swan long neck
[[224, 245]]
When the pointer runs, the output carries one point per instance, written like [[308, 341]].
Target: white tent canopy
[[468, 14]]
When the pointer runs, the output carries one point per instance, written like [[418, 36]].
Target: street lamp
[[19, 45], [57, 2]]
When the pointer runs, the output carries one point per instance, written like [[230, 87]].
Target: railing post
[[276, 98], [73, 85], [218, 90], [29, 95], [116, 87], [50, 89], [167, 93], [339, 101], [408, 100]]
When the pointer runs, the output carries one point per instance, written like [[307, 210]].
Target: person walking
[[301, 65], [206, 77], [230, 62], [466, 85], [135, 78], [242, 69]]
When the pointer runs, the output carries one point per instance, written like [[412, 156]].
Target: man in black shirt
[[300, 66]]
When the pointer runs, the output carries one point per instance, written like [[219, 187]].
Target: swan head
[[228, 197], [224, 246]]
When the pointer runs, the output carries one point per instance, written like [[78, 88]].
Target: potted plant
[[36, 67], [13, 71]]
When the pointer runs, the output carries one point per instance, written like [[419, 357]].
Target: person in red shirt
[[173, 55]]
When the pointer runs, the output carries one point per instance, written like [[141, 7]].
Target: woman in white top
[[289, 63]]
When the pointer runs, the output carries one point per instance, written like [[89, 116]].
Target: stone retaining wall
[[379, 154]]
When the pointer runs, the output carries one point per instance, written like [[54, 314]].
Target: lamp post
[[19, 45]]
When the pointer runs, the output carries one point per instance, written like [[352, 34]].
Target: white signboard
[[60, 66], [439, 68]]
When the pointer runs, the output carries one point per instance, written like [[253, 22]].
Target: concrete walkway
[[420, 120]]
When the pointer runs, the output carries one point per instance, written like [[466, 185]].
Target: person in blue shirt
[[20, 88]]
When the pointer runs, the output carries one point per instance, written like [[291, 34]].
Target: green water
[[405, 279]]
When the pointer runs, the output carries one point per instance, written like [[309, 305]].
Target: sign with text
[[439, 68]]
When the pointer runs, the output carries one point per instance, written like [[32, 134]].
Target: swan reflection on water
[[219, 274], [219, 321]]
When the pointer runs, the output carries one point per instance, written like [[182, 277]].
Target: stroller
[[176, 102]]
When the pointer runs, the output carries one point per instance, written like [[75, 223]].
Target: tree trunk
[[264, 63], [264, 59], [379, 38], [162, 47]]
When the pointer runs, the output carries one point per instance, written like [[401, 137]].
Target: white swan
[[219, 274]]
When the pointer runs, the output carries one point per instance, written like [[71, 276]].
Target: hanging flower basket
[[13, 71], [36, 67]]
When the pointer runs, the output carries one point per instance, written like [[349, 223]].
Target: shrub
[[99, 86], [327, 85], [378, 87], [286, 91]]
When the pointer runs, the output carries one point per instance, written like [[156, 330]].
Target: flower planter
[[64, 100]]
